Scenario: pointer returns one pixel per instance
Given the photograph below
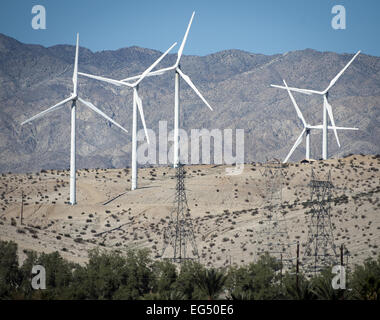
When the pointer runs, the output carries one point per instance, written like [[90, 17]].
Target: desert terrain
[[227, 211]]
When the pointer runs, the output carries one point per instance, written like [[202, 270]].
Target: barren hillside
[[227, 211]]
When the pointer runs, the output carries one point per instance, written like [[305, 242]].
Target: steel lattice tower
[[274, 232], [320, 248], [180, 233]]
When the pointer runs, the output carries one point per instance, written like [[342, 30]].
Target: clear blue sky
[[259, 26]]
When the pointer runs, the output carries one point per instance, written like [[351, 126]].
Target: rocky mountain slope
[[236, 84]]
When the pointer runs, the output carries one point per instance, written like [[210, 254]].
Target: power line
[[274, 232]]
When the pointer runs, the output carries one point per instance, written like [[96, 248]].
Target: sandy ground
[[229, 213]]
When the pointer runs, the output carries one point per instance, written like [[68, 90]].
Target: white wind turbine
[[73, 98], [326, 107], [306, 129], [178, 73], [136, 102]]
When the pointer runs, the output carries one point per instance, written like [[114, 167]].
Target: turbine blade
[[75, 73], [91, 106], [329, 110], [141, 110], [299, 113], [341, 72], [191, 84], [53, 108], [179, 54], [343, 128], [305, 91], [298, 141], [153, 65], [153, 73], [332, 127], [104, 79]]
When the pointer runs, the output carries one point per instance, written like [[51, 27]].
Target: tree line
[[135, 275]]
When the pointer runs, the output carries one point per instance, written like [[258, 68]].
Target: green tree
[[10, 276], [59, 275], [26, 291], [322, 286], [302, 291], [165, 276], [101, 277], [59, 272], [138, 279], [186, 284], [211, 282], [256, 281], [365, 280]]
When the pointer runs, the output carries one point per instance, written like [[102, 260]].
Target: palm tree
[[241, 295], [301, 292], [322, 288], [211, 282]]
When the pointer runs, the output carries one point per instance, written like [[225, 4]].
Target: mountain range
[[235, 83]]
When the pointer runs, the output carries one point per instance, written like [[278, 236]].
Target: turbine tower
[[178, 73], [137, 103], [326, 107], [73, 98], [307, 129]]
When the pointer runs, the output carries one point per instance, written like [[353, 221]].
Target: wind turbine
[[306, 129], [136, 102], [326, 106], [178, 73], [73, 98]]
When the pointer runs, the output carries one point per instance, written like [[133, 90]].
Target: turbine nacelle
[[133, 85], [177, 67], [327, 109], [331, 84]]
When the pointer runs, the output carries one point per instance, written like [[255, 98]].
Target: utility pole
[[341, 263], [281, 270], [22, 207], [297, 264]]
